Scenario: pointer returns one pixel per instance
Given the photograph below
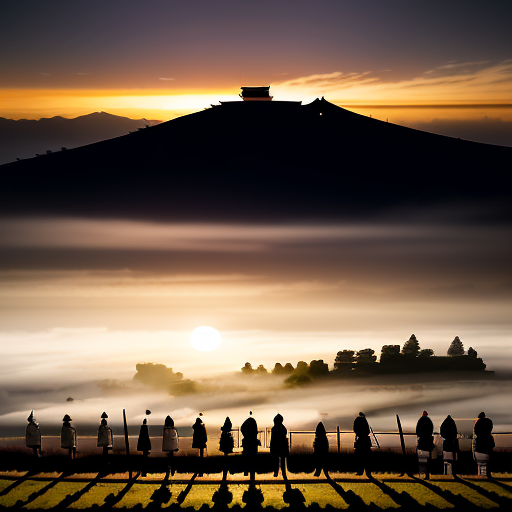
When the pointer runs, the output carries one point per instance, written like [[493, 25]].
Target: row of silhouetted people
[[483, 441]]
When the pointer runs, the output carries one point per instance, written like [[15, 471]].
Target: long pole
[[402, 440], [127, 444], [338, 440]]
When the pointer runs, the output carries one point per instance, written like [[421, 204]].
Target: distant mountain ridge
[[25, 138], [263, 161]]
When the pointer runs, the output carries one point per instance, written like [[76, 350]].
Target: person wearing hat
[[226, 445], [320, 448], [362, 444], [199, 439], [68, 436], [250, 443], [483, 443], [279, 444], [33, 435], [169, 442], [425, 445], [105, 438], [144, 442], [448, 431]]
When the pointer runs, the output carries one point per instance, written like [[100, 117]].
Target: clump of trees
[[162, 378], [394, 359], [301, 374]]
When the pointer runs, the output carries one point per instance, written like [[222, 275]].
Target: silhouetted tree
[[261, 370], [247, 369], [302, 367], [343, 358], [288, 368], [456, 348], [411, 347], [300, 376], [426, 352], [389, 353], [63, 148], [365, 356], [278, 369], [317, 368], [159, 376], [472, 352], [48, 151]]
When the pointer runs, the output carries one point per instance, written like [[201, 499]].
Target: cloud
[[455, 82], [166, 79]]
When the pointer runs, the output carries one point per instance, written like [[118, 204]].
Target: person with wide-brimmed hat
[[68, 436]]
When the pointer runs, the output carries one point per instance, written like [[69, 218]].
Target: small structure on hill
[[256, 93]]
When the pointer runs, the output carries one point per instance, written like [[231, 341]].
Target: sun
[[205, 338]]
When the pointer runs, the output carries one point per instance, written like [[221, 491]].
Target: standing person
[[483, 443], [320, 448], [105, 438], [448, 432], [33, 435], [226, 444], [169, 443], [68, 437], [199, 440], [425, 435], [250, 443], [362, 444], [279, 444], [144, 444]]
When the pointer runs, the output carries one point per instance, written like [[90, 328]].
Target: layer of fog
[[336, 403]]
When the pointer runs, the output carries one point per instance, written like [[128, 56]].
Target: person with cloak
[[279, 445], [68, 437], [250, 443], [169, 443], [144, 443], [425, 444], [448, 432], [199, 440], [226, 445], [362, 444], [33, 435], [483, 443], [104, 435], [320, 448]]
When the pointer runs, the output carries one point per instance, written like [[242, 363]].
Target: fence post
[[290, 441], [338, 439]]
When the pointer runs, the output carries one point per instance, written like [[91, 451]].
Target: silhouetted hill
[[262, 161], [24, 138]]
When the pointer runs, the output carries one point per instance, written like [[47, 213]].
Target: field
[[345, 491]]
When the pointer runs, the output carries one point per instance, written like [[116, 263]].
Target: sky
[[162, 59], [84, 299]]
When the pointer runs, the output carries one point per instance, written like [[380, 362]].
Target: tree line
[[393, 359]]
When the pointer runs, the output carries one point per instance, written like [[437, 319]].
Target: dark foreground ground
[[91, 483]]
